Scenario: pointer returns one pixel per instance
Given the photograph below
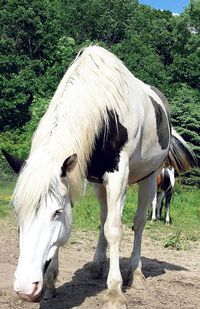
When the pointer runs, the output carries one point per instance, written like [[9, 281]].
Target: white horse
[[105, 125], [165, 184]]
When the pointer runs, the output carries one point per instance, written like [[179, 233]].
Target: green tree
[[186, 120], [186, 52], [64, 53], [100, 20], [142, 60], [155, 28], [30, 30]]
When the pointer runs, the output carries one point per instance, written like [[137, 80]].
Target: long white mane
[[93, 84]]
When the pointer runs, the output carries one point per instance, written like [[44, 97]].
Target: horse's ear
[[14, 162], [69, 164]]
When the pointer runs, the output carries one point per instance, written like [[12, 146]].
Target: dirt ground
[[172, 277]]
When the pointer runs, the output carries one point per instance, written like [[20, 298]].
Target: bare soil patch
[[172, 277]]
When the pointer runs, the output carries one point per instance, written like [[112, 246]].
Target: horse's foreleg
[[146, 194], [50, 277], [100, 254], [116, 185], [98, 266]]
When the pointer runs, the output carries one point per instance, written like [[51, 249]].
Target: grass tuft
[[176, 241]]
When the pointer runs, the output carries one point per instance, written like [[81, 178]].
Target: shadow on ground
[[153, 267], [73, 293]]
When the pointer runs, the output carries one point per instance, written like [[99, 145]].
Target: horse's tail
[[180, 156]]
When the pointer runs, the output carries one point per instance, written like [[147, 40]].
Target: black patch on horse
[[161, 124], [165, 102], [166, 184], [108, 144]]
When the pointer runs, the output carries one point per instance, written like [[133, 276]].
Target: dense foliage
[[39, 39]]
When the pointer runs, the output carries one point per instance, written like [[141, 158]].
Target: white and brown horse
[[105, 125], [165, 183]]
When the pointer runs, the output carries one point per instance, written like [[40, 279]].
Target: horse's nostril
[[33, 295], [36, 287]]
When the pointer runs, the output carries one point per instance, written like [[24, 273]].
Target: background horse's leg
[[116, 186], [167, 206], [50, 277], [98, 266], [160, 197], [146, 194], [154, 204]]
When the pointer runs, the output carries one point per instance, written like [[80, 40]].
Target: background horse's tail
[[180, 156]]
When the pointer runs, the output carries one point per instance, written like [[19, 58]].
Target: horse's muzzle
[[34, 296]]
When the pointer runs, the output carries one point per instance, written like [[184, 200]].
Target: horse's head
[[42, 230]]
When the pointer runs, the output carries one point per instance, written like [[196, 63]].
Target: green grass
[[185, 214], [6, 189], [86, 212]]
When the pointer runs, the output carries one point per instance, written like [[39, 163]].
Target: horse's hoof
[[138, 284], [136, 280], [49, 294], [115, 300]]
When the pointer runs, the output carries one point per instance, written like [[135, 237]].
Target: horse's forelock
[[32, 187]]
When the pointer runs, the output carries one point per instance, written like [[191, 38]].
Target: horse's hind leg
[[98, 266], [160, 198], [50, 278], [146, 194]]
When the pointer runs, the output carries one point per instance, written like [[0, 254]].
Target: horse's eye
[[56, 214]]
